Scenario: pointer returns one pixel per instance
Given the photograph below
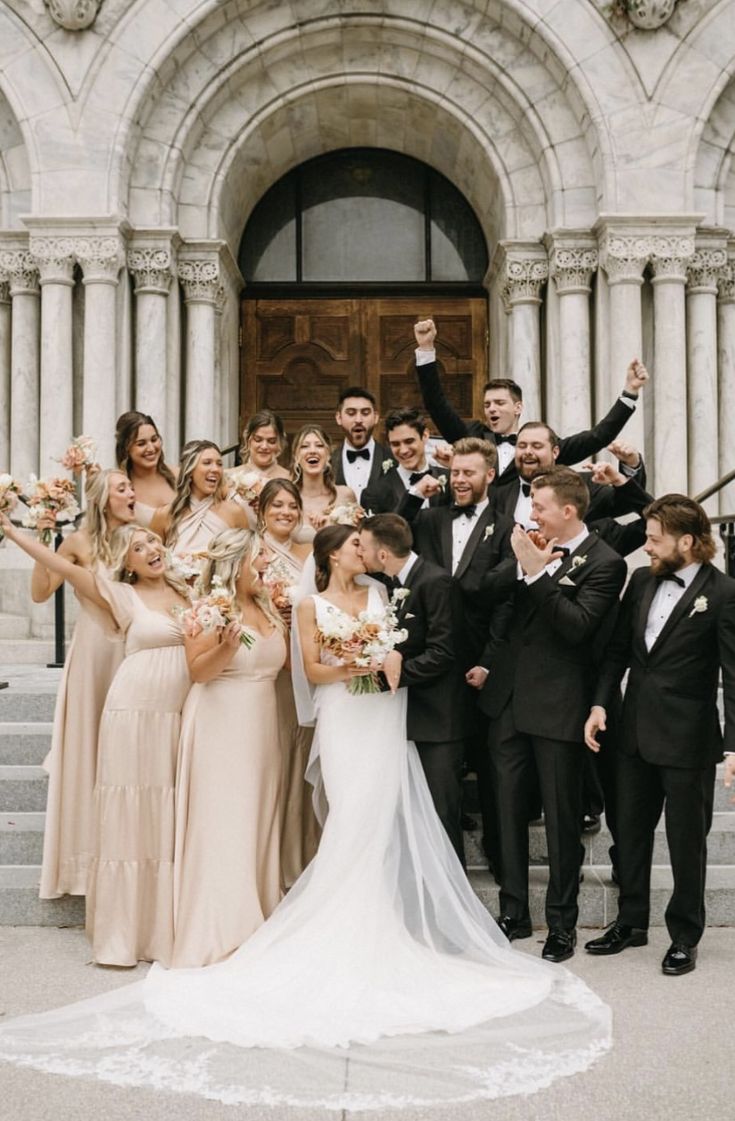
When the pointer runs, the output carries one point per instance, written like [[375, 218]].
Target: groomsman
[[503, 405], [676, 633], [429, 610], [407, 436], [536, 695], [359, 459]]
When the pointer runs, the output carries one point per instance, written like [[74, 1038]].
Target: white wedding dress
[[380, 981]]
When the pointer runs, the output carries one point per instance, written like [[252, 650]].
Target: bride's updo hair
[[228, 551], [327, 541]]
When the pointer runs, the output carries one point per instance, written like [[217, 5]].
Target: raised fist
[[425, 333]]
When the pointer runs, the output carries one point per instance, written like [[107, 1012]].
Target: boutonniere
[[398, 595], [700, 605], [442, 481], [386, 465], [489, 531], [577, 562]]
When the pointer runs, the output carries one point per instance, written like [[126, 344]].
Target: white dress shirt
[[357, 474], [462, 527], [405, 477], [665, 600], [522, 512], [410, 562]]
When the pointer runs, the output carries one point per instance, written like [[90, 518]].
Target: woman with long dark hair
[[139, 453]]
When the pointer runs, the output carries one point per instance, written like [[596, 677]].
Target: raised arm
[[80, 578], [449, 422], [44, 582], [575, 448]]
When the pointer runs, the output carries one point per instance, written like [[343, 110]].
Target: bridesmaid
[[279, 517], [139, 453], [200, 507], [263, 440], [226, 878], [311, 470], [130, 884], [91, 662]]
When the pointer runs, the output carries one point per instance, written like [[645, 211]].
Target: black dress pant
[[443, 767], [560, 766], [686, 796]]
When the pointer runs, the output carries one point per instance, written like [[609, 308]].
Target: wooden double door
[[298, 354]]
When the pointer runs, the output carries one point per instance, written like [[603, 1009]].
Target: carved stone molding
[[726, 284], [670, 257], [21, 270], [152, 269], [101, 258], [572, 268], [705, 269], [649, 14], [200, 280], [624, 258], [73, 15], [524, 279], [54, 258], [220, 299]]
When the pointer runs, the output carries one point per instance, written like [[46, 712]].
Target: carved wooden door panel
[[298, 354]]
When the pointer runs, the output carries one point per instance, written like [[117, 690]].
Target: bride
[[380, 981]]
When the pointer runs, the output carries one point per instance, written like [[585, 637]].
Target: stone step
[[14, 626], [26, 651], [20, 905], [22, 788], [21, 837], [24, 742]]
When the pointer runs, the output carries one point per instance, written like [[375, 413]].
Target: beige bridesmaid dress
[[226, 867], [197, 528], [130, 886], [93, 657]]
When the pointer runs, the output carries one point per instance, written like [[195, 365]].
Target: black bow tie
[[561, 549], [354, 453], [469, 511], [416, 476], [526, 490], [509, 439], [671, 576]]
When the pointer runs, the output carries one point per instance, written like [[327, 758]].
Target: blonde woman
[[200, 508], [279, 518], [92, 659], [139, 453], [311, 470], [130, 882], [227, 878]]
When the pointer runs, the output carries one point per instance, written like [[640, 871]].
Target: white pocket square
[[409, 616], [567, 582]]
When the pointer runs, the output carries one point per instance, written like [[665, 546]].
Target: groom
[[428, 608]]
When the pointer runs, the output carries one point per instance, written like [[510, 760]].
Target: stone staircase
[[26, 712]]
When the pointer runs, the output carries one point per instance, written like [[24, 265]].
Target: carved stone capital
[[21, 271], [152, 268], [523, 280], [705, 269], [572, 268], [624, 258], [54, 258], [101, 258], [73, 15], [200, 280], [670, 257], [726, 284]]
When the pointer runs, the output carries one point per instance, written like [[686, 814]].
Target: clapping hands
[[533, 552]]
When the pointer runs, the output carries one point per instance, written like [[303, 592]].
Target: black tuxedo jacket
[[431, 613], [669, 712], [572, 449], [543, 659], [384, 496], [605, 501], [380, 453], [487, 550]]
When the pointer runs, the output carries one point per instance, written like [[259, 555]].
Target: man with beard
[[676, 634], [503, 405], [359, 459], [407, 436]]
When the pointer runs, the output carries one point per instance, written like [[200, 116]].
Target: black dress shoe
[[515, 928], [591, 823], [559, 946], [679, 959], [616, 938]]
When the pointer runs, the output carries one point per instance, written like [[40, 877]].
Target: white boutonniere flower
[[398, 595], [386, 465], [577, 562], [700, 605], [442, 481], [489, 531]]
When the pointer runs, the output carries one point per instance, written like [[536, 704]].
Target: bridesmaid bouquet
[[187, 566], [364, 640], [54, 495], [211, 612], [350, 514], [246, 484], [10, 490], [81, 454], [278, 582]]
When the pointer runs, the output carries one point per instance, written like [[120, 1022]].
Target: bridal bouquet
[[364, 640], [56, 496], [10, 489], [210, 612], [245, 484], [80, 454], [350, 514]]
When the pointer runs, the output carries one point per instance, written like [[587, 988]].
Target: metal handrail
[[709, 491]]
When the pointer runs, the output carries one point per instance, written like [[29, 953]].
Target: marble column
[[5, 334], [54, 257], [703, 273], [24, 361], [726, 355], [670, 258], [623, 259], [524, 278], [200, 280], [101, 260], [152, 269], [572, 268]]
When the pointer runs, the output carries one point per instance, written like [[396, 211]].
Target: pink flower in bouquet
[[81, 453]]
